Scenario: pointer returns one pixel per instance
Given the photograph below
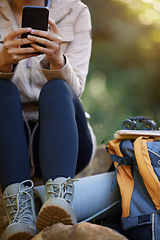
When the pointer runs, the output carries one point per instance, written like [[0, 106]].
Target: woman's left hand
[[52, 41]]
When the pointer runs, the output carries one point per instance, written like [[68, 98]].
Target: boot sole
[[51, 215], [18, 231], [54, 211], [20, 236]]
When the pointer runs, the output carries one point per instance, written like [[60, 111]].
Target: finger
[[45, 41], [38, 48], [43, 34], [27, 50], [18, 58], [18, 42], [29, 55], [53, 26], [21, 42], [41, 40], [17, 32], [44, 50], [21, 51]]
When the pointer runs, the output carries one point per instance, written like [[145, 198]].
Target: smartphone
[[35, 17]]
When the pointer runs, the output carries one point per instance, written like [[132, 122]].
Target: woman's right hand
[[11, 52]]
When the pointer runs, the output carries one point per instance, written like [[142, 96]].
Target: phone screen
[[35, 17]]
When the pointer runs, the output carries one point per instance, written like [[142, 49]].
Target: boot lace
[[61, 190], [21, 212]]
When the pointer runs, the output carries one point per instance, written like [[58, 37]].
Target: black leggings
[[64, 140]]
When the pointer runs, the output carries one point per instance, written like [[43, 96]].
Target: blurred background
[[124, 74]]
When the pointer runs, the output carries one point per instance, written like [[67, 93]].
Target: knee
[[8, 91], [54, 90]]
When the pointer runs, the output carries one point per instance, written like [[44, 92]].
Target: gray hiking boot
[[58, 203], [19, 206]]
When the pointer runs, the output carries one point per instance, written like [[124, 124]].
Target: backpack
[[137, 170]]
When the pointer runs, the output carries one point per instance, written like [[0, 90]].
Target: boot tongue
[[59, 180], [12, 189], [15, 188], [15, 191], [53, 186]]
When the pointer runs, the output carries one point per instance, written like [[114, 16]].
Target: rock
[[84, 230], [3, 217]]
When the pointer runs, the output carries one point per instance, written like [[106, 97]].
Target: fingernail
[[32, 31], [29, 36]]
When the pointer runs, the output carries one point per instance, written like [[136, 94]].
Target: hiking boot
[[58, 203], [19, 206]]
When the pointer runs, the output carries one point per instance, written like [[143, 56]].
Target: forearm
[[4, 66]]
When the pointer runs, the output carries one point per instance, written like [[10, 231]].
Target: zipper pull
[[28, 62]]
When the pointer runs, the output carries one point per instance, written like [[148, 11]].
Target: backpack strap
[[124, 175], [121, 161], [146, 170]]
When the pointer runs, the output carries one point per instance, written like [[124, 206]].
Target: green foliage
[[124, 75]]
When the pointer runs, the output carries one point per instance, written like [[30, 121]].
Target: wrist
[[5, 67], [59, 64]]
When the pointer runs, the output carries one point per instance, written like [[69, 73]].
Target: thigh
[[85, 141], [58, 88], [85, 147]]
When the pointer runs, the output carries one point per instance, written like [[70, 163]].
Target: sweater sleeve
[[8, 76], [77, 55]]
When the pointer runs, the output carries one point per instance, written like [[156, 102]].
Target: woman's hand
[[11, 52], [52, 41]]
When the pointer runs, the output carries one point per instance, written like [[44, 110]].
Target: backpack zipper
[[153, 226], [154, 153]]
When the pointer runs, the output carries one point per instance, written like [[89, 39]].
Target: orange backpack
[[137, 169]]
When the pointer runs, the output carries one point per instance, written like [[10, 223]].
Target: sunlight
[[148, 17], [97, 85], [147, 10], [143, 18], [135, 5], [148, 1], [156, 6]]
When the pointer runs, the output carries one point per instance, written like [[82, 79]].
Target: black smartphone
[[35, 17]]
